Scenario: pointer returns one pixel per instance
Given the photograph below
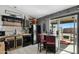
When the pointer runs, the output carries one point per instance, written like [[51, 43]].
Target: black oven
[[2, 33]]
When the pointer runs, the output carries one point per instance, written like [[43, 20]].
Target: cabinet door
[[2, 48], [19, 42]]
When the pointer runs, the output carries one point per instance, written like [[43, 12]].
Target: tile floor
[[32, 49]]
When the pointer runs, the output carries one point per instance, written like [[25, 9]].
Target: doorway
[[65, 30]]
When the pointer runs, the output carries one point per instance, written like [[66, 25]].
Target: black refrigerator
[[35, 30]]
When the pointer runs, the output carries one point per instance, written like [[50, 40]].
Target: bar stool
[[42, 41]]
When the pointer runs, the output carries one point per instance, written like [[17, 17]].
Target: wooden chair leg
[[46, 49], [40, 47]]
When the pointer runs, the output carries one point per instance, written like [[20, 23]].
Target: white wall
[[46, 22], [2, 12], [7, 7]]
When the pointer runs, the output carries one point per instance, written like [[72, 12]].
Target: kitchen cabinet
[[27, 40], [2, 48]]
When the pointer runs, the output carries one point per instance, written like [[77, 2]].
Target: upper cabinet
[[11, 21]]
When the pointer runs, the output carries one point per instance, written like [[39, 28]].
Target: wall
[[8, 29], [46, 22], [7, 7]]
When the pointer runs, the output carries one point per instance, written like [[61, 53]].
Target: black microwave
[[2, 33]]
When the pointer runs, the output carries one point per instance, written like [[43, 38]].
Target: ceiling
[[38, 11]]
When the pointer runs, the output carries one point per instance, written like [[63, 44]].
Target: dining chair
[[50, 43], [42, 42]]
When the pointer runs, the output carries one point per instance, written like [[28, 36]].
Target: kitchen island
[[10, 42]]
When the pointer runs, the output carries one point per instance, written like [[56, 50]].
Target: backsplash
[[10, 30]]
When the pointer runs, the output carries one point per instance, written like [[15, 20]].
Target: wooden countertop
[[7, 36]]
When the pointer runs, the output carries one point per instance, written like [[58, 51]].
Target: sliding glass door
[[65, 30], [67, 33]]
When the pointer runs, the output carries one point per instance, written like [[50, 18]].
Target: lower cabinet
[[2, 48], [11, 44], [27, 40], [18, 42], [15, 42]]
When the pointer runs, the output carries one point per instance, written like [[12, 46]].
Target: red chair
[[42, 41], [50, 43]]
